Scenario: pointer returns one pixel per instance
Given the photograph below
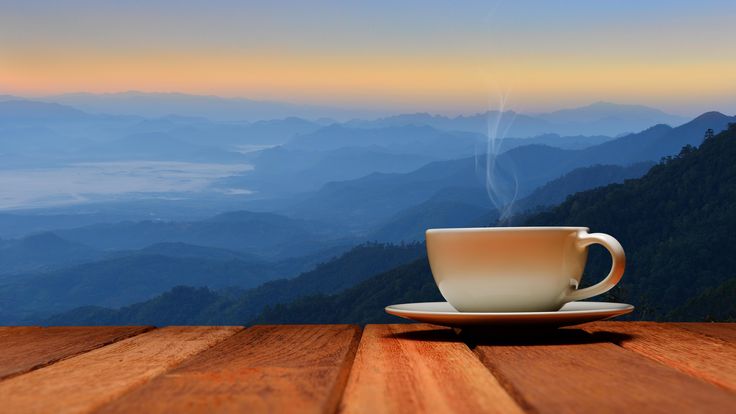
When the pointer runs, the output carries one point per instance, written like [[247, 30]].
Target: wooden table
[[618, 367]]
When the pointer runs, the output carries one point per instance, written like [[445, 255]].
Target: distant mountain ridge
[[42, 251], [554, 140], [406, 139], [279, 171], [340, 153], [452, 207], [600, 118], [580, 179], [23, 110], [265, 234], [41, 134], [158, 104], [606, 111]]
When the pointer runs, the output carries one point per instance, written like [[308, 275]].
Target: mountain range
[[203, 305], [340, 153], [43, 251], [396, 206], [120, 281], [580, 179], [372, 199], [600, 118], [408, 139], [675, 222], [282, 172], [263, 234], [312, 189], [214, 107], [41, 135], [48, 274]]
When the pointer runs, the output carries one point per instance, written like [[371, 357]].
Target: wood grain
[[85, 382], [705, 357], [568, 371], [279, 369], [420, 369], [28, 348], [724, 331]]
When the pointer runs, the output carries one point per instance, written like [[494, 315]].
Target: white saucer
[[573, 313]]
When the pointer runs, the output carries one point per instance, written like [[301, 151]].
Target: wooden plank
[[279, 369], [705, 357], [28, 348], [570, 371], [85, 382], [724, 331], [419, 369]]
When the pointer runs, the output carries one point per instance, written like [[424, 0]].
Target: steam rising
[[501, 181]]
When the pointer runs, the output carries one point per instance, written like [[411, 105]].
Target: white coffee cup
[[517, 269]]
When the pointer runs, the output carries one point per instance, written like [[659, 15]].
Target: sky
[[439, 56]]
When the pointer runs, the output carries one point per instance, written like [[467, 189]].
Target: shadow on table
[[513, 337]]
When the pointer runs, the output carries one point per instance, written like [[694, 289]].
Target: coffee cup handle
[[618, 259]]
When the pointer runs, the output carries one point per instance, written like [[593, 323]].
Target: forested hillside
[[676, 224], [580, 179], [189, 305]]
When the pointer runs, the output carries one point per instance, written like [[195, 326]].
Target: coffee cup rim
[[499, 229]]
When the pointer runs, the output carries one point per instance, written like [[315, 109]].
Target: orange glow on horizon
[[419, 82]]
